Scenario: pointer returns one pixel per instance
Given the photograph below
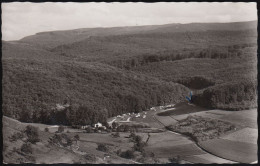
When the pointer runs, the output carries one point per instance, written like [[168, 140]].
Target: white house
[[169, 106], [98, 124]]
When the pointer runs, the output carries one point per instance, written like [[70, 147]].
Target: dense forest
[[229, 96], [96, 87], [103, 72]]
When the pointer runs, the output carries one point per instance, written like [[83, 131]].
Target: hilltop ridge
[[54, 38]]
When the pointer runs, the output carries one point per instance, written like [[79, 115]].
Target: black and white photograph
[[129, 83]]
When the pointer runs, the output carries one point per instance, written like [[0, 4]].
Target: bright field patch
[[206, 159], [246, 118], [247, 135], [165, 120], [166, 139], [232, 150]]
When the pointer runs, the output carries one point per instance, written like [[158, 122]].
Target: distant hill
[[54, 38]]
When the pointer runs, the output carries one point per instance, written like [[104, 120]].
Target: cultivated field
[[207, 159], [247, 135], [232, 150]]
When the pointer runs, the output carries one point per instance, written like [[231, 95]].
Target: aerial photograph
[[129, 83]]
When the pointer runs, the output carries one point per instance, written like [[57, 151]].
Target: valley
[[118, 95]]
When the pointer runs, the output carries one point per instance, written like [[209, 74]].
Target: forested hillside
[[103, 72], [36, 85]]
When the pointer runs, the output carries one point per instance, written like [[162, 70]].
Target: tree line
[[173, 55]]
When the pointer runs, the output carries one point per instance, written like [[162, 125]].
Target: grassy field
[[247, 118], [247, 135], [232, 150]]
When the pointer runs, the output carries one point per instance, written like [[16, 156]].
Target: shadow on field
[[182, 108]]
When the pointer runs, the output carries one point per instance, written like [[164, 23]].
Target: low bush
[[60, 139], [102, 147], [46, 129], [32, 134], [4, 147], [129, 154], [60, 129], [76, 137], [176, 159], [90, 157], [89, 130], [16, 136], [26, 148]]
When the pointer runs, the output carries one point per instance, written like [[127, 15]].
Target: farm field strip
[[232, 150], [195, 159], [247, 118], [247, 135], [171, 151], [215, 159], [166, 139], [205, 114]]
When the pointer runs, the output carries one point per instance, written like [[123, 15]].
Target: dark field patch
[[182, 108], [172, 151]]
